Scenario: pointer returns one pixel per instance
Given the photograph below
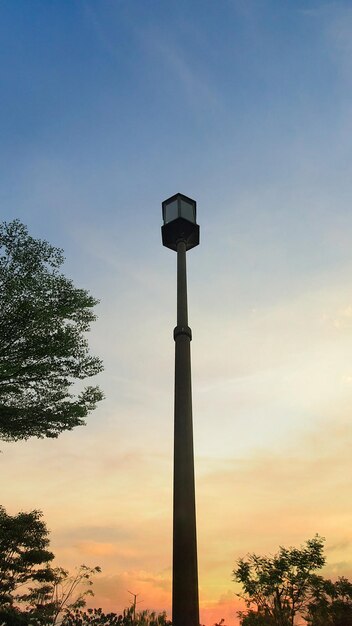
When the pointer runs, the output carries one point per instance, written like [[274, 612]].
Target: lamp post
[[181, 233]]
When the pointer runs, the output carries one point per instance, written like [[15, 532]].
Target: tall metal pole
[[185, 603]]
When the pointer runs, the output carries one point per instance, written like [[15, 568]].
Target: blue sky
[[109, 107]]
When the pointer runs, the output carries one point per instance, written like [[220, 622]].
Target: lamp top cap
[[179, 196]]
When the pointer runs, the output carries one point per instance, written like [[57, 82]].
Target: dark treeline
[[278, 590]]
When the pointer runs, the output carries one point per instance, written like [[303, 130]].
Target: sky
[[107, 108]]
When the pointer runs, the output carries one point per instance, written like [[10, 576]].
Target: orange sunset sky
[[108, 109]]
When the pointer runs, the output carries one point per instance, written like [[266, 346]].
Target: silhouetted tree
[[256, 618], [24, 556], [64, 593], [12, 616], [331, 604], [31, 590], [279, 587], [24, 560], [43, 351], [96, 617]]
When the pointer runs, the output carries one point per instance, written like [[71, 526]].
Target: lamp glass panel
[[171, 211], [187, 211]]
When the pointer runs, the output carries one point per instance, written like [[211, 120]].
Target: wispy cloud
[[182, 66]]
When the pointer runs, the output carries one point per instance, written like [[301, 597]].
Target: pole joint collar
[[182, 330]]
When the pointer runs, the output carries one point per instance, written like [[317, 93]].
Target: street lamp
[[181, 233]]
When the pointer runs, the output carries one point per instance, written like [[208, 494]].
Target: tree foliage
[[96, 617], [331, 603], [65, 592], [24, 556], [279, 587], [31, 590], [43, 350], [256, 618]]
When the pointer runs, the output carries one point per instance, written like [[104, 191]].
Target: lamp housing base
[[180, 229]]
